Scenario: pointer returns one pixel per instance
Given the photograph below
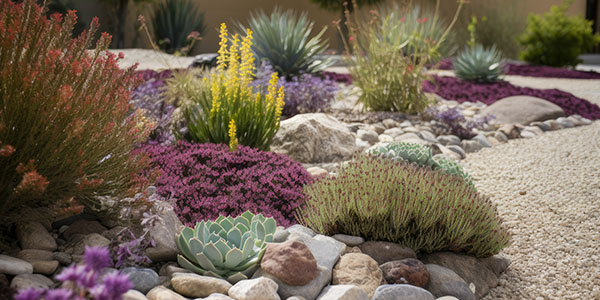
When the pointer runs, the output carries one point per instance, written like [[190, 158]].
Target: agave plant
[[228, 248], [422, 156], [174, 21], [283, 39], [479, 64]]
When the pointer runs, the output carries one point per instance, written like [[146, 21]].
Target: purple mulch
[[535, 71], [452, 88]]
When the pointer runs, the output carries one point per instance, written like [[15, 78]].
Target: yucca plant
[[422, 156], [173, 21], [284, 40], [426, 210], [228, 248], [479, 64], [222, 107]]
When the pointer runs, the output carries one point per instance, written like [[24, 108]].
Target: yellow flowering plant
[[225, 109]]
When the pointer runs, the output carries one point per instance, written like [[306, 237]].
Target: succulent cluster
[[208, 180], [479, 64], [422, 156], [426, 210], [228, 248]]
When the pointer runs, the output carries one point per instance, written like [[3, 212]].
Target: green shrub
[[422, 156], [65, 128], [556, 40], [426, 210], [283, 39], [222, 108], [228, 248], [479, 64], [174, 23], [390, 71]]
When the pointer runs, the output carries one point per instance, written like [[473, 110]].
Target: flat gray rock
[[522, 110], [444, 282], [14, 266], [401, 291]]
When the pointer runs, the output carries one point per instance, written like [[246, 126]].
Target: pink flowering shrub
[[207, 180]]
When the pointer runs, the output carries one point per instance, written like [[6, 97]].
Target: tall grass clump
[[283, 39], [65, 130], [381, 199], [222, 107], [390, 71]]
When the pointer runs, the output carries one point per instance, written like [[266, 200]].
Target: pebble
[[448, 140], [405, 124], [471, 146], [194, 285], [46, 267], [14, 266], [343, 292], [162, 293], [25, 281], [389, 123], [255, 289], [349, 240], [134, 295], [367, 135], [483, 140], [143, 279]]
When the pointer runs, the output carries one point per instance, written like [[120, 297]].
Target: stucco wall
[[217, 11]]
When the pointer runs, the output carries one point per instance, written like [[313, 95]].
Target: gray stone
[[447, 298], [406, 123], [378, 128], [314, 138], [295, 298], [554, 125], [91, 240], [401, 291], [280, 236], [261, 288], [500, 137], [458, 150], [171, 268], [302, 229], [536, 130], [84, 227], [384, 138], [162, 293], [134, 295], [31, 255], [367, 135], [163, 233], [343, 292], [565, 122], [63, 258], [349, 240], [389, 123], [444, 282], [393, 132], [469, 268], [308, 292], [14, 266], [407, 136], [543, 126], [497, 264], [33, 235], [471, 146], [483, 140], [411, 130], [194, 285], [428, 136], [361, 145], [527, 134], [383, 252], [445, 151], [523, 110], [37, 281], [448, 140], [326, 250], [143, 279], [217, 296], [46, 267]]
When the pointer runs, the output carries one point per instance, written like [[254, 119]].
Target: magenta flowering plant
[[207, 180], [85, 281]]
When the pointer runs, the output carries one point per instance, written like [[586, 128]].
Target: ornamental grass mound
[[207, 180], [452, 88], [426, 210]]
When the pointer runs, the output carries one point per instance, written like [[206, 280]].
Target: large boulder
[[523, 110], [163, 233], [314, 138]]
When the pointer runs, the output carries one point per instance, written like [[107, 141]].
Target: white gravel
[[153, 60], [548, 191]]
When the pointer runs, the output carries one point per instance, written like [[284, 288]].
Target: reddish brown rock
[[291, 262], [406, 271]]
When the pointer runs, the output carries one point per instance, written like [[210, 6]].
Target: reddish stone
[[291, 262], [406, 271]]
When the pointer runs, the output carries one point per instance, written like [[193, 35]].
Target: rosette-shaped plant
[[479, 64], [228, 248], [452, 168]]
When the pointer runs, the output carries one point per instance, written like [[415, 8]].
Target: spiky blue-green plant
[[479, 64], [452, 168], [228, 248]]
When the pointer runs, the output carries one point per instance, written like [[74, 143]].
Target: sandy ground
[[149, 59]]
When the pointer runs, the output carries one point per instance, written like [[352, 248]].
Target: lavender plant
[[303, 93], [454, 122], [85, 281]]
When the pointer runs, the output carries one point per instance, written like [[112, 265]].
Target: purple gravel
[[452, 88]]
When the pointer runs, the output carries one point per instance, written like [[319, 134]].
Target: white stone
[[255, 289]]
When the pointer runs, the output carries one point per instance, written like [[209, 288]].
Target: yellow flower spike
[[270, 99], [280, 101], [234, 57], [247, 68], [222, 58], [233, 141]]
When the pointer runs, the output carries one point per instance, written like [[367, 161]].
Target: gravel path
[[548, 191]]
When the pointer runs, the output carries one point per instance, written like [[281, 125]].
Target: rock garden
[[400, 169]]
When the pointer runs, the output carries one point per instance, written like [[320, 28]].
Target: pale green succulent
[[228, 248], [422, 156], [479, 64]]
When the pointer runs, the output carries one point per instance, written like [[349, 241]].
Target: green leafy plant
[[479, 64], [390, 74], [66, 132], [556, 40], [228, 248], [422, 156], [283, 39], [222, 107], [177, 25], [426, 210]]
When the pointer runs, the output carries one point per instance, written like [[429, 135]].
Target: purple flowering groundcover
[[207, 180], [452, 88]]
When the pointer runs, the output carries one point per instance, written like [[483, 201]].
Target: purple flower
[[30, 294], [113, 285], [79, 274], [97, 258], [59, 294]]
